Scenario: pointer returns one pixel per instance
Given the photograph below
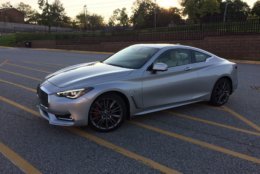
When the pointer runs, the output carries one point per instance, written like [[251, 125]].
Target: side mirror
[[160, 67]]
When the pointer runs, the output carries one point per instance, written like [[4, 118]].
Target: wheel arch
[[122, 95]]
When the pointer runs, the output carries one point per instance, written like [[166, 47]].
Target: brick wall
[[235, 47], [43, 44], [245, 47]]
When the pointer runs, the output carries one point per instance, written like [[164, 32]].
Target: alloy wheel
[[221, 92], [106, 113]]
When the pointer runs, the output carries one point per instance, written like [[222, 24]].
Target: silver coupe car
[[137, 80]]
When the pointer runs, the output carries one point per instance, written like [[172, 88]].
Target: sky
[[101, 7]]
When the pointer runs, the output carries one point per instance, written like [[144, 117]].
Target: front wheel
[[107, 112], [221, 92]]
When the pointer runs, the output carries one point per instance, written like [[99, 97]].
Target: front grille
[[43, 97]]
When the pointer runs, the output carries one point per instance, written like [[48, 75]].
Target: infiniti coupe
[[137, 80]]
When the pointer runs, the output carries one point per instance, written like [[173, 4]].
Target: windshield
[[133, 57]]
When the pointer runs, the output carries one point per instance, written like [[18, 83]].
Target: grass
[[7, 40]]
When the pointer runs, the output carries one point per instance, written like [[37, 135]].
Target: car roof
[[156, 45], [162, 45]]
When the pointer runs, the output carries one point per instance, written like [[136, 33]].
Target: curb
[[73, 51], [61, 50]]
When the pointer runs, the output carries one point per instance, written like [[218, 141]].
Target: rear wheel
[[221, 92], [107, 112]]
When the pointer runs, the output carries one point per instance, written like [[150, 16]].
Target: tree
[[35, 18], [209, 7], [58, 14], [74, 24], [88, 21], [237, 10], [95, 22], [119, 18], [52, 14], [197, 9], [81, 20], [29, 13], [256, 8], [143, 13], [113, 19], [6, 5], [168, 17]]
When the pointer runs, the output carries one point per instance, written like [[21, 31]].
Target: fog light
[[66, 117]]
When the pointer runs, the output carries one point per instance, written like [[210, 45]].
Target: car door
[[172, 86]]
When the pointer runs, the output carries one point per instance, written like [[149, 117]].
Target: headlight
[[75, 93]]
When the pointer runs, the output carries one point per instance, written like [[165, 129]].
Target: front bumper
[[63, 111], [53, 119]]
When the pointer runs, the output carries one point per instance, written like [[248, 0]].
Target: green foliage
[[169, 17], [30, 15], [119, 18], [95, 22], [209, 7], [197, 9], [237, 10], [16, 38], [7, 40], [256, 8], [123, 17], [6, 5], [52, 14], [21, 37], [206, 11], [90, 21], [81, 20], [143, 13]]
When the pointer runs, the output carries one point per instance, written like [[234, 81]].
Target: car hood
[[86, 74]]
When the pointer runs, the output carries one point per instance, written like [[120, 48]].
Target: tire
[[107, 113], [221, 92]]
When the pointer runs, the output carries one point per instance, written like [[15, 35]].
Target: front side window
[[200, 57], [175, 57], [133, 57]]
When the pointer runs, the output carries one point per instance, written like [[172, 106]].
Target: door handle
[[187, 69]]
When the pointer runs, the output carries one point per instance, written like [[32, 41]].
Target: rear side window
[[200, 57], [175, 57]]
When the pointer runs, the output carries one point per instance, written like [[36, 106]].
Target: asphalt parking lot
[[197, 138]]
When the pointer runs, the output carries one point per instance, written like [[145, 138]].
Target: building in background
[[11, 15]]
